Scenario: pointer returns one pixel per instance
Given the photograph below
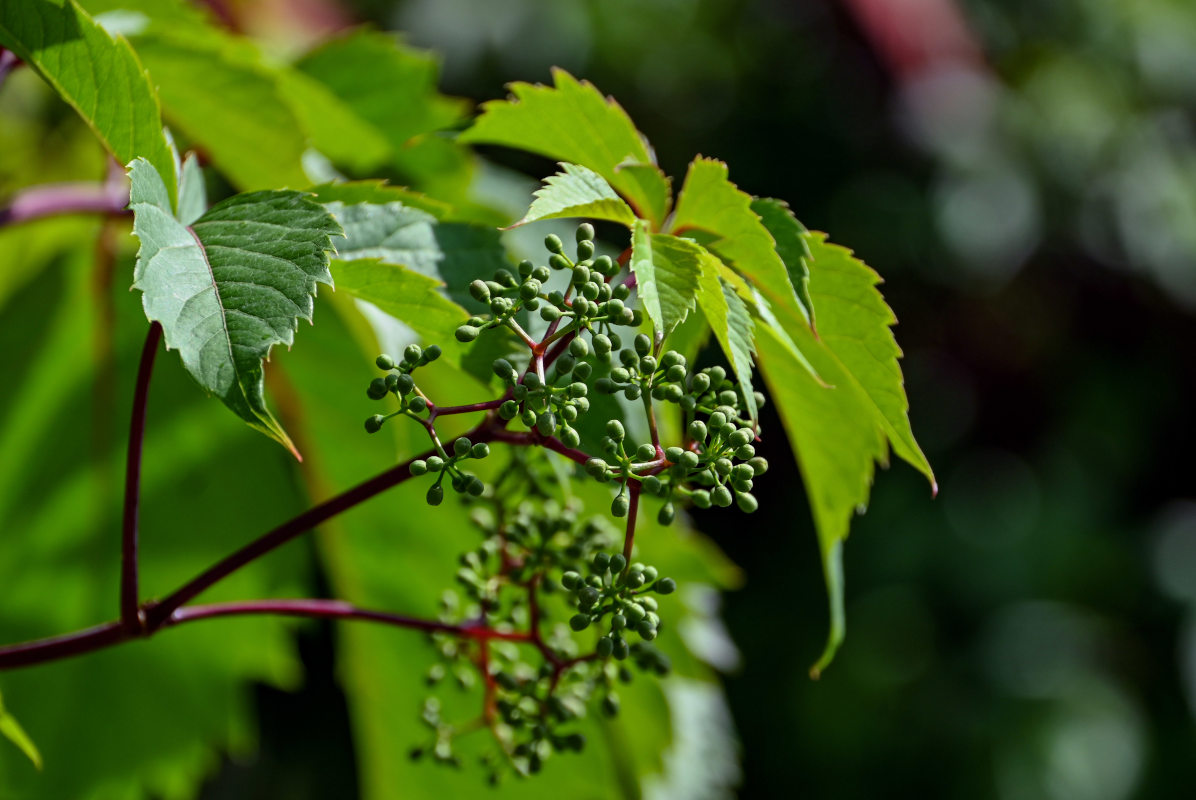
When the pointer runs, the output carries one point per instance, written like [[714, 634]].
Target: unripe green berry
[[417, 404], [585, 250], [746, 502], [404, 384], [642, 344], [601, 560], [605, 265], [529, 289], [632, 392], [585, 232], [645, 452], [558, 262], [579, 622], [617, 563], [701, 498], [412, 353], [673, 454], [385, 362], [418, 467], [479, 450], [621, 649], [759, 465], [667, 514], [620, 505], [474, 486], [550, 314], [587, 597], [665, 586], [689, 459], [746, 452], [466, 334], [569, 436], [595, 467], [741, 437], [605, 647], [647, 365], [614, 429], [618, 622], [435, 494], [717, 420], [374, 424], [377, 389], [553, 243], [508, 410], [546, 423], [570, 579], [435, 463], [579, 348], [602, 343], [461, 447], [635, 579], [651, 484], [721, 496], [528, 418]]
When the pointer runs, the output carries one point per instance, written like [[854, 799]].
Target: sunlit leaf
[[666, 270], [578, 192]]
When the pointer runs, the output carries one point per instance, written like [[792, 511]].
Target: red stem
[[130, 615], [633, 489], [66, 198]]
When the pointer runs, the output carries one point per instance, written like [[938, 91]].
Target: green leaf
[[11, 729], [578, 192], [452, 253], [390, 86], [787, 232], [406, 295], [732, 325], [573, 122], [99, 76], [332, 126], [839, 431], [216, 90], [720, 216], [378, 192], [232, 285], [667, 270]]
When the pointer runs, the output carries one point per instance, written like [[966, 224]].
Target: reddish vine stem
[[130, 616], [633, 491], [36, 202]]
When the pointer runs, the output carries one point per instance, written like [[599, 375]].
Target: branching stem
[[130, 615]]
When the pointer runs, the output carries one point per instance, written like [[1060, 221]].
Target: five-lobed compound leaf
[[11, 729], [787, 232], [95, 73], [720, 216], [667, 270], [732, 324], [578, 191], [841, 429], [572, 121], [229, 287]]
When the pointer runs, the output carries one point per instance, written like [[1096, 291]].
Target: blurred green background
[[1023, 174]]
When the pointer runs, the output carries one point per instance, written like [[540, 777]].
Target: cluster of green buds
[[621, 591], [589, 301], [549, 406], [445, 464], [399, 382]]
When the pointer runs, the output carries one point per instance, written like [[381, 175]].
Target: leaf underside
[[232, 285]]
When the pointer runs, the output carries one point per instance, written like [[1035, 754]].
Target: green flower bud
[[602, 343], [595, 467], [418, 467], [550, 314], [601, 561], [585, 232], [579, 348], [759, 465], [618, 622], [528, 417], [377, 389], [632, 392], [474, 486], [673, 454], [605, 265], [689, 459], [701, 498], [617, 563], [587, 597], [741, 437], [585, 250], [621, 649], [579, 622], [620, 375], [461, 447], [582, 371], [642, 344], [529, 288], [635, 579], [525, 267], [665, 586], [647, 365], [435, 463], [614, 429], [717, 420], [700, 383], [746, 502], [466, 333], [589, 290], [532, 381], [581, 274], [374, 424], [667, 514], [553, 243], [508, 410], [720, 496], [412, 353], [569, 436], [675, 373], [385, 362], [417, 404], [651, 484], [645, 452], [605, 647], [745, 453], [503, 369], [620, 505], [404, 384], [546, 423], [435, 495]]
